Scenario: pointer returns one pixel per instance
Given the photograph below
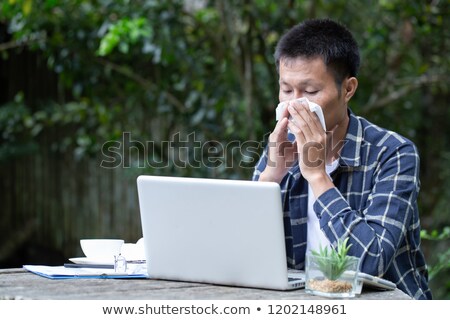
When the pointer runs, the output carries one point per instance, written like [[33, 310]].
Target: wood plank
[[20, 284]]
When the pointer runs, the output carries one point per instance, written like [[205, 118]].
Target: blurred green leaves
[[77, 124], [441, 261], [164, 66], [123, 34], [208, 65], [436, 235]]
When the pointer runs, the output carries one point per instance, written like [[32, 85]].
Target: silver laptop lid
[[215, 231]]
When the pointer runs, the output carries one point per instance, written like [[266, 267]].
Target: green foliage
[[79, 124], [124, 33], [435, 235], [443, 260], [439, 263], [209, 67], [18, 128], [332, 263]]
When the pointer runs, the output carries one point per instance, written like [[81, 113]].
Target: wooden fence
[[50, 200]]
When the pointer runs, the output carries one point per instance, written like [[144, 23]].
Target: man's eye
[[311, 92]]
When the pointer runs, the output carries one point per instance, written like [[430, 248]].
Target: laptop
[[226, 232]]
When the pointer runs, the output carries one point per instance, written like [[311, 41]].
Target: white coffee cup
[[101, 248]]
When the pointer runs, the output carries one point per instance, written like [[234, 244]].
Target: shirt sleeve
[[377, 231], [260, 166]]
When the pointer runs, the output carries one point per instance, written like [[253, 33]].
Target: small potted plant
[[332, 273]]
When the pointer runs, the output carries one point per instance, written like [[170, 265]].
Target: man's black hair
[[323, 38]]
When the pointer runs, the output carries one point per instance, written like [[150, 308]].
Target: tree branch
[[426, 79], [20, 43], [146, 84]]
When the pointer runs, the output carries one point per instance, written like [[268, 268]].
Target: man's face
[[310, 78]]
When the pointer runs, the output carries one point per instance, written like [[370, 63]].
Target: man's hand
[[281, 153], [311, 143]]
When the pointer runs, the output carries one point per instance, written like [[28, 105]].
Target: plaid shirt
[[374, 203]]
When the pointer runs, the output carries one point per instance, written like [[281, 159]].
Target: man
[[357, 180]]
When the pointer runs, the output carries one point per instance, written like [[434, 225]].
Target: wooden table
[[22, 284]]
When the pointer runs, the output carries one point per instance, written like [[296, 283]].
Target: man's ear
[[349, 88]]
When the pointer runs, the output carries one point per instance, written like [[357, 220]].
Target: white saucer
[[85, 260]]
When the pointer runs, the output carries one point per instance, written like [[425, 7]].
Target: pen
[[95, 266]]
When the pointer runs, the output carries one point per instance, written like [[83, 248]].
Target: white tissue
[[312, 106]]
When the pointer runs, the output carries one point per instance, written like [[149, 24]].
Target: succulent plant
[[332, 263]]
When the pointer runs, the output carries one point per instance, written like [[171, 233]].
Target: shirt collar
[[350, 154]]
